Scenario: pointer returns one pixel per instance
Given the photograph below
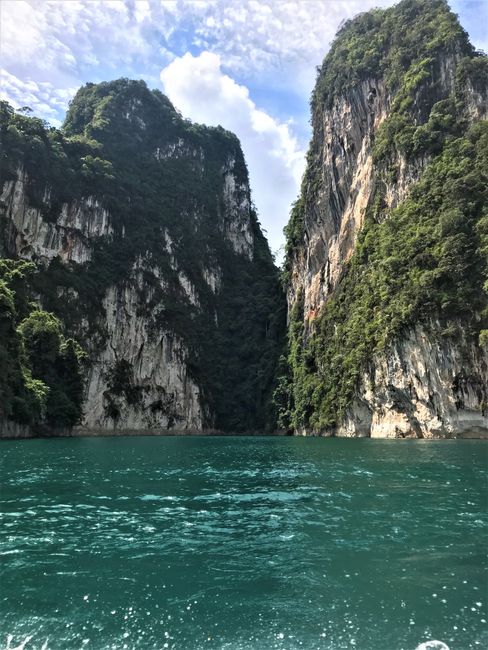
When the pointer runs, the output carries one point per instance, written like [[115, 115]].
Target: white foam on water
[[156, 497], [432, 645], [17, 647], [23, 643]]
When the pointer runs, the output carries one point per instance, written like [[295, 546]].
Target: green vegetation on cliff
[[398, 44], [405, 46], [160, 178], [40, 382], [428, 258]]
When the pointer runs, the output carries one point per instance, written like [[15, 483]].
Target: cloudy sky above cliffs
[[249, 66]]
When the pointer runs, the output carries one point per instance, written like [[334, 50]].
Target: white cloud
[[277, 39], [198, 87], [60, 38], [142, 10]]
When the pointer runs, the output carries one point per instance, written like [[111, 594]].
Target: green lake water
[[243, 543]]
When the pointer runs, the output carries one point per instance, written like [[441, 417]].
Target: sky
[[247, 65]]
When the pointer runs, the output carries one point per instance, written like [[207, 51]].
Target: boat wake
[[432, 645]]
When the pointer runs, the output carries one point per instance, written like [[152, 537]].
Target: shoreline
[[12, 431]]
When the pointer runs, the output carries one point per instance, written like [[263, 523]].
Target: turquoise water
[[243, 543]]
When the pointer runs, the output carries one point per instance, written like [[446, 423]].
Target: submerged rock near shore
[[146, 246], [387, 245]]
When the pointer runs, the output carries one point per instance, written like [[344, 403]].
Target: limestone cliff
[[147, 246], [377, 346]]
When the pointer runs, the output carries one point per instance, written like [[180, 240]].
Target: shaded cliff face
[[147, 246], [388, 234]]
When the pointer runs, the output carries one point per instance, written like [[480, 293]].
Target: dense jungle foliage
[[396, 45], [114, 146], [40, 381], [428, 258]]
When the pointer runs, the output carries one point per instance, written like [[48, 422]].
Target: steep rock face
[[421, 388], [157, 391], [69, 237], [142, 245], [236, 209], [342, 176], [337, 190], [377, 128]]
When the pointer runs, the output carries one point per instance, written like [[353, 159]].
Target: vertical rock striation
[[400, 91]]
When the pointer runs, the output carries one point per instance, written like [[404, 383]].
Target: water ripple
[[243, 544]]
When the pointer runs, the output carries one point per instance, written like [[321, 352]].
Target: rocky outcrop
[[164, 396], [9, 429], [237, 203], [338, 188], [70, 236], [422, 388], [423, 384], [157, 390], [142, 261], [342, 178]]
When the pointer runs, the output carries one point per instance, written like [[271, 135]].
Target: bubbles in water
[[432, 645]]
